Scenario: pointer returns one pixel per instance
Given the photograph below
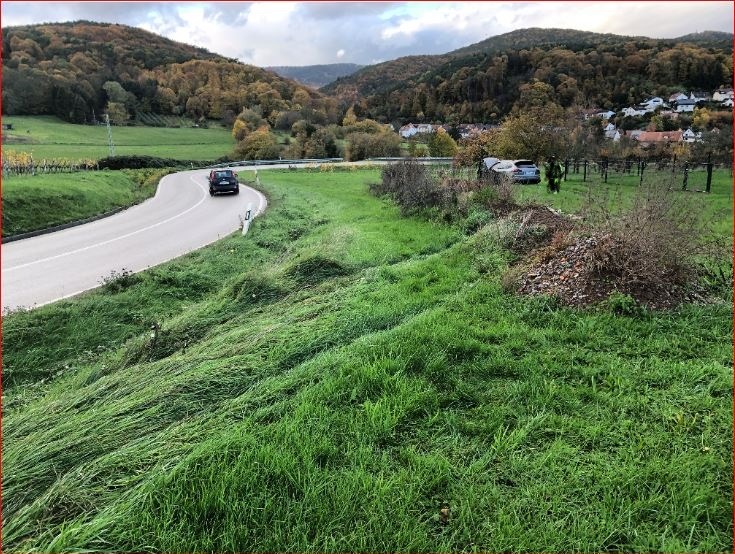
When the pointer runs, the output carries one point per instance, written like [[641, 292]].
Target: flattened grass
[[332, 380]]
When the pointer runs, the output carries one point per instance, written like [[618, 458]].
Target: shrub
[[368, 145], [118, 281], [409, 184], [622, 304], [651, 245]]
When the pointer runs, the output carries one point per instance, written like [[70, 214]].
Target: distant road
[[180, 218]]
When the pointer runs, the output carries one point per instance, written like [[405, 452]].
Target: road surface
[[181, 217]]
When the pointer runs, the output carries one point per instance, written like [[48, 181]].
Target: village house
[[690, 136], [723, 94], [686, 106], [605, 115], [646, 138], [728, 103], [613, 134], [632, 112], [699, 96], [652, 103], [676, 97], [408, 130]]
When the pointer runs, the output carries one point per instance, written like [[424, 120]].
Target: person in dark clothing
[[554, 173]]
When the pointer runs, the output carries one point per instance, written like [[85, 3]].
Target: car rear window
[[525, 163], [222, 174]]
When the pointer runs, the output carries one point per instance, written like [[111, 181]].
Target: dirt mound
[[539, 226], [570, 273]]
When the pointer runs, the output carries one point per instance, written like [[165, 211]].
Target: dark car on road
[[223, 180]]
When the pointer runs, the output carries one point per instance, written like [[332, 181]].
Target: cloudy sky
[[304, 33]]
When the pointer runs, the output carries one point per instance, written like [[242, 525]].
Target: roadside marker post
[[246, 220]]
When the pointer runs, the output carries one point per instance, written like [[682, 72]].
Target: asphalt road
[[182, 217]]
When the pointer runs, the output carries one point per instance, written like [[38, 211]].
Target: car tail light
[[516, 171]]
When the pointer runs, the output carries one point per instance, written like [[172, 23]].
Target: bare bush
[[651, 245], [409, 184]]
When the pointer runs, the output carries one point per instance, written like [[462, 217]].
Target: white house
[[686, 106], [690, 136], [613, 135], [652, 103], [677, 97], [425, 128], [728, 103], [723, 94], [630, 112], [605, 115], [408, 131], [610, 127], [699, 96]]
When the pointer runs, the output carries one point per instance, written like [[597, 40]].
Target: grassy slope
[[37, 202], [328, 387], [48, 137]]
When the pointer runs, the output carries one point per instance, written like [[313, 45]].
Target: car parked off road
[[520, 171], [223, 180]]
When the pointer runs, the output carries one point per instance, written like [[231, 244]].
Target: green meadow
[[346, 379], [47, 137]]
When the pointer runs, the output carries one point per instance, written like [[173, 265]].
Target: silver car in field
[[520, 171]]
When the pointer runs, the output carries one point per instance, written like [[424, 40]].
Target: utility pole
[[109, 136]]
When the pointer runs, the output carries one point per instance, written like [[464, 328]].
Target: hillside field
[[47, 137], [343, 378], [31, 203]]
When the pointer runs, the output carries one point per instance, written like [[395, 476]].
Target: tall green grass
[[32, 203], [340, 375]]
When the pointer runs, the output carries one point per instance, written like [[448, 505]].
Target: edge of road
[[68, 225], [262, 204]]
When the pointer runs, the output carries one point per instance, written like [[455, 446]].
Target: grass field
[[38, 202], [47, 137], [346, 379]]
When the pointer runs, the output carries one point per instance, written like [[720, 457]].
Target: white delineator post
[[248, 217]]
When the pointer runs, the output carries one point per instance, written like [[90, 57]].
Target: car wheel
[[211, 192]]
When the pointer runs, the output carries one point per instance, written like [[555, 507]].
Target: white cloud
[[295, 33]]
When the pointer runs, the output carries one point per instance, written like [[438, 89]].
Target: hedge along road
[[181, 217]]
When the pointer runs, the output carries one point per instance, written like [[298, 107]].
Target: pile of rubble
[[559, 257], [569, 273]]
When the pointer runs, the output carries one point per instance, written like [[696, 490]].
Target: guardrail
[[319, 161]]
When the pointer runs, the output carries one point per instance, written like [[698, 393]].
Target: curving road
[[181, 217]]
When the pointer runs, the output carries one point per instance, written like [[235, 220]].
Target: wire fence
[[688, 175]]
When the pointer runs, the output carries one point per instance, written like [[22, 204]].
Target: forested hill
[[484, 81], [315, 75], [75, 70]]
